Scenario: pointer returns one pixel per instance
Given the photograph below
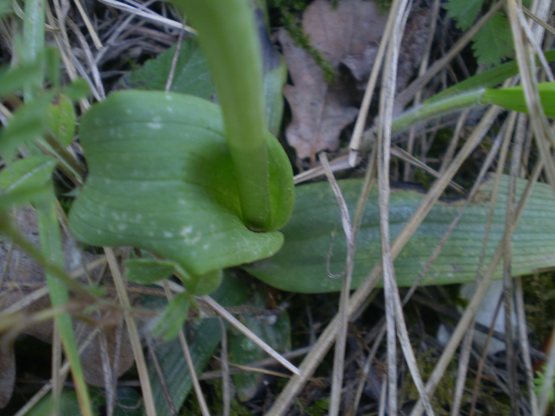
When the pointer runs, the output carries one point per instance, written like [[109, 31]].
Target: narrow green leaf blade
[[513, 98], [312, 259], [486, 79], [203, 337]]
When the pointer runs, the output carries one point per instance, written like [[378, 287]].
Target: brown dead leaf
[[345, 35], [20, 278], [348, 37]]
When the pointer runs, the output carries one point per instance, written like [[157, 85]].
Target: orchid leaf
[[312, 259], [161, 179]]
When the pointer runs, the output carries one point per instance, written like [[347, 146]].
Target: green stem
[[428, 110], [49, 232], [435, 108], [229, 41]]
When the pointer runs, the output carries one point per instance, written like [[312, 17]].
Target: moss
[[288, 13]]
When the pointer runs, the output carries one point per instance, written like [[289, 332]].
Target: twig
[[134, 337], [248, 333], [148, 15], [340, 345], [226, 380], [472, 307]]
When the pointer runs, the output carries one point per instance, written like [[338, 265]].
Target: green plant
[[171, 174], [167, 175], [493, 42]]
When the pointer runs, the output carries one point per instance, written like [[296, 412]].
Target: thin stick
[[175, 60], [188, 359], [472, 307], [462, 371], [408, 93], [134, 337], [248, 333], [196, 384], [226, 380], [394, 312], [150, 15], [340, 345], [368, 93], [96, 40], [525, 346]]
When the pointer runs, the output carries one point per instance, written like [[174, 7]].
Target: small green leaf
[[62, 120], [464, 12], [494, 41], [148, 271], [173, 317]]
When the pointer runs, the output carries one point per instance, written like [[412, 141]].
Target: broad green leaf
[[161, 179], [62, 120], [173, 317], [312, 259], [148, 271], [513, 98], [274, 328]]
